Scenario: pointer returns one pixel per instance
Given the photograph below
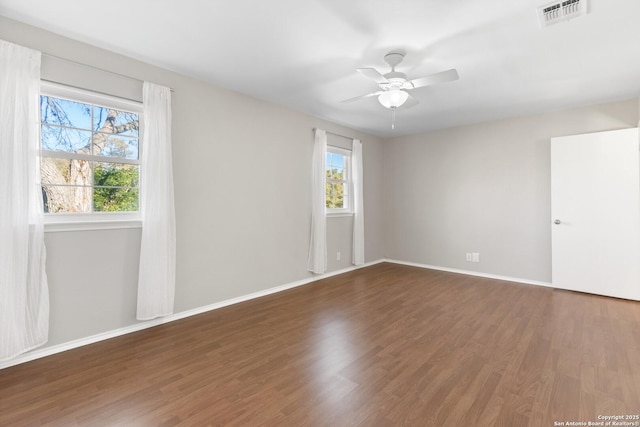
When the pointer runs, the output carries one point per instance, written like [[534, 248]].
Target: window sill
[[339, 214], [55, 227]]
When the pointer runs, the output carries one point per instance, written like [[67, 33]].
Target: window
[[90, 153], [338, 194]]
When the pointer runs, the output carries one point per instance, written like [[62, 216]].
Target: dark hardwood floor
[[384, 345]]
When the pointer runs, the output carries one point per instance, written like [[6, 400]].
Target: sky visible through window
[[335, 160], [67, 126]]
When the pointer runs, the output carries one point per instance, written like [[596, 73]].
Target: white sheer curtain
[[318, 247], [24, 296], [156, 280], [358, 203]]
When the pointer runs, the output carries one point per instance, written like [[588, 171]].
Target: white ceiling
[[303, 54]]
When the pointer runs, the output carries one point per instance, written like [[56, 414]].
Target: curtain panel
[[156, 279], [24, 295], [317, 262], [358, 203]]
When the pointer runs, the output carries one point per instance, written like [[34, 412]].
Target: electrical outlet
[[475, 257], [338, 256], [469, 257]]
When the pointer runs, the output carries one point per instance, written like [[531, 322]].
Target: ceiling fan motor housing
[[396, 79]]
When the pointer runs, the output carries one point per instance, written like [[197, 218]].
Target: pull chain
[[393, 118]]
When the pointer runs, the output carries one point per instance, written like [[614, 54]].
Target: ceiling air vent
[[561, 11]]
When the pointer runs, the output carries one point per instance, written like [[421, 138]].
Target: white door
[[595, 213]]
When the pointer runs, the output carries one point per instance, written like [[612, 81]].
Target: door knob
[[557, 222]]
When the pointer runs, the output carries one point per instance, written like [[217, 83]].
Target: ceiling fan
[[394, 85]]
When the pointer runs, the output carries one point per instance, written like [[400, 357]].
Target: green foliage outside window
[[115, 188], [334, 190]]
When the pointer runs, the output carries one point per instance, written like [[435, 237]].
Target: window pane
[[338, 202], [331, 202], [337, 173], [337, 161], [56, 138], [115, 175], [115, 146], [58, 199], [115, 199], [329, 195], [334, 198], [65, 171], [62, 112], [114, 121]]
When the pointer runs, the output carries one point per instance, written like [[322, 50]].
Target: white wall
[[483, 188], [92, 282], [242, 180]]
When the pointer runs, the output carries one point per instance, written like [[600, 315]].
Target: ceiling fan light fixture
[[393, 98]]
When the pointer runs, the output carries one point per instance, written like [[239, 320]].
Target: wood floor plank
[[381, 346]]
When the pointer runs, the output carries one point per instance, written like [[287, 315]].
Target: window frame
[[63, 221], [347, 182]]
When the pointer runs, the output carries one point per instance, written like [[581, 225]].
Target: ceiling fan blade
[[373, 74], [357, 98], [441, 77], [410, 102]]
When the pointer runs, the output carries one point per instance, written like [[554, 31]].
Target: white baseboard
[[59, 348], [471, 273]]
